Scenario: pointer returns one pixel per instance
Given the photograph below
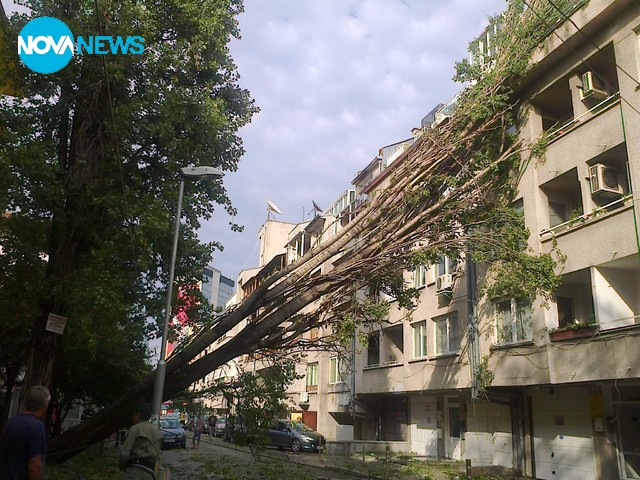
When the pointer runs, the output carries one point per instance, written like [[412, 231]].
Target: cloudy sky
[[335, 80]]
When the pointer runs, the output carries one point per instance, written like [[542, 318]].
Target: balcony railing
[[596, 213], [562, 130]]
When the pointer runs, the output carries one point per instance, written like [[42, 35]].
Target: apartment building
[[576, 362], [561, 379], [564, 401]]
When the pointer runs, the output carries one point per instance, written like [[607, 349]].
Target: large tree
[[450, 194], [89, 183]]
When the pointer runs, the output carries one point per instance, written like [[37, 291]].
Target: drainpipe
[[629, 182], [352, 401], [472, 323]]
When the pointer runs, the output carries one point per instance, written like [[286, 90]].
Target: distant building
[[217, 288]]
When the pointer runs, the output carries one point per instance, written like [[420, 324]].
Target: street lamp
[[195, 173]]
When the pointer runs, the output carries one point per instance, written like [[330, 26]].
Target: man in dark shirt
[[212, 425], [23, 442]]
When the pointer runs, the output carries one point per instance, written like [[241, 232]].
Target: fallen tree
[[450, 194]]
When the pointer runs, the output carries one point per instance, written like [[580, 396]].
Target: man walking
[[23, 442], [140, 451]]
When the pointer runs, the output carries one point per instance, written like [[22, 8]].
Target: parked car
[[205, 426], [294, 435], [220, 426], [173, 435]]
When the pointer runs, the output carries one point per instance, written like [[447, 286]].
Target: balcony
[[580, 221]]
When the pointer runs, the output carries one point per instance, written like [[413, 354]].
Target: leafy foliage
[[256, 398], [93, 153]]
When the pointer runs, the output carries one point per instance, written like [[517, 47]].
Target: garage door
[[562, 442]]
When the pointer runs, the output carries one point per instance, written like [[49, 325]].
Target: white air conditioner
[[444, 283], [590, 89], [304, 397], [604, 181]]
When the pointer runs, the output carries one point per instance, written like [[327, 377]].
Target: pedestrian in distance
[[212, 425], [23, 442], [198, 426], [140, 451]]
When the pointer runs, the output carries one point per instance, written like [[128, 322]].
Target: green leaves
[[93, 154], [257, 398], [524, 276]]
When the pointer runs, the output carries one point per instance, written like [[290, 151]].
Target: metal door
[[629, 431], [453, 429]]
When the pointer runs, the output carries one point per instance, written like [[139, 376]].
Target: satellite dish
[[317, 209], [271, 207]]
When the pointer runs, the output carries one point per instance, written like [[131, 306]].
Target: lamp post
[[194, 173]]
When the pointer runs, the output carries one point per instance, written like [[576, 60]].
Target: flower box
[[584, 331]]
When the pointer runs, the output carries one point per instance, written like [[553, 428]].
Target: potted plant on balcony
[[573, 330]]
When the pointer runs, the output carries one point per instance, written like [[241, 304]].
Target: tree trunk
[[80, 157]]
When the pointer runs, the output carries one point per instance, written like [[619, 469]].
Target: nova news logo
[[46, 45]]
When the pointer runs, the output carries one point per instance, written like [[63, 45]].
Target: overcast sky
[[335, 81]]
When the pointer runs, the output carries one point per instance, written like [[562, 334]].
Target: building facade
[[564, 400], [560, 379], [216, 288]]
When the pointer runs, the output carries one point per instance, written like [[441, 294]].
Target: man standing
[[198, 426], [140, 451], [212, 425], [23, 442]]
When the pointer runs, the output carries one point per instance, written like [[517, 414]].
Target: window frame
[[335, 367], [518, 331], [449, 331], [312, 376], [419, 339], [419, 278], [446, 265]]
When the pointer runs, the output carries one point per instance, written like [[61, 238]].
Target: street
[[216, 459]]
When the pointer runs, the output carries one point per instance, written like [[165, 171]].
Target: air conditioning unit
[[591, 90], [304, 397], [604, 181], [444, 283]]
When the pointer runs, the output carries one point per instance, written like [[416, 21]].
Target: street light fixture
[[193, 173]]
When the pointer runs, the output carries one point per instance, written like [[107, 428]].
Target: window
[[312, 375], [447, 334], [419, 276], [518, 206], [373, 349], [564, 199], [445, 265], [566, 316], [419, 339], [513, 320], [558, 213], [335, 370]]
